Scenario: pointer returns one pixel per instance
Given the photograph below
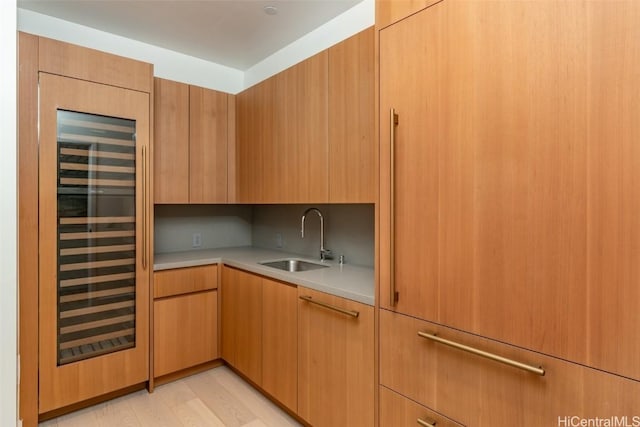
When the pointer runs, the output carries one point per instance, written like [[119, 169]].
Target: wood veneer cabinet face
[[171, 150], [515, 163], [335, 362], [352, 148], [480, 392]]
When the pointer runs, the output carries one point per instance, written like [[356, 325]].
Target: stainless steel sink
[[293, 265]]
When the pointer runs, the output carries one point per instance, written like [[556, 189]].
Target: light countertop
[[347, 281]]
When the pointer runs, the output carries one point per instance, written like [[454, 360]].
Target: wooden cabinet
[[171, 134], [516, 167], [185, 332], [282, 136], [397, 410], [259, 332], [335, 361], [185, 327], [477, 391], [191, 143], [241, 307], [352, 146], [306, 135], [280, 342]]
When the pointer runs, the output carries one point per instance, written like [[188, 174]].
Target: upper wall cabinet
[[306, 135], [352, 147], [282, 136], [191, 144]]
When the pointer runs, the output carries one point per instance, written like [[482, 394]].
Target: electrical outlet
[[197, 240], [278, 240]]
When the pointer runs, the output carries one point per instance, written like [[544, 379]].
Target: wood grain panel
[[478, 391], [64, 385], [241, 295], [280, 342], [69, 60], [491, 164], [28, 225], [207, 145], [613, 187], [335, 362], [254, 133], [352, 147], [390, 11], [185, 331], [184, 280], [171, 145], [397, 410]]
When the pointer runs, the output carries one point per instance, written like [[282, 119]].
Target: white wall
[[8, 217], [187, 69]]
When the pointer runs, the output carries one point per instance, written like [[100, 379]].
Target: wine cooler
[[93, 238]]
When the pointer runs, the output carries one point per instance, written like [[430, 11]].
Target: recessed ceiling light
[[271, 10]]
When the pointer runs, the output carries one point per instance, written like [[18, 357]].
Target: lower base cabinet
[[477, 391], [259, 332], [335, 360], [185, 318], [396, 410], [185, 331]]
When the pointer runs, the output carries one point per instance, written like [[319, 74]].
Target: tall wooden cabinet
[[191, 143], [93, 224], [509, 164]]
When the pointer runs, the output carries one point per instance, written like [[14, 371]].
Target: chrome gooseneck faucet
[[324, 253]]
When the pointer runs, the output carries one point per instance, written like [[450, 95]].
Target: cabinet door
[[335, 361], [510, 193], [396, 410], [93, 240], [241, 295], [207, 146], [481, 392], [171, 148], [352, 145], [282, 154], [184, 331], [280, 342]]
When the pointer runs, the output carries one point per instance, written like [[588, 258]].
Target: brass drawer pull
[[424, 423], [329, 306], [481, 353]]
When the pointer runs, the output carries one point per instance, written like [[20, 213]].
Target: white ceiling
[[234, 33]]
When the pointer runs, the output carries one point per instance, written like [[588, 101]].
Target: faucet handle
[[326, 254]]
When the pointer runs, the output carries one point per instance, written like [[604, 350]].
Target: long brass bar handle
[[424, 423], [144, 207], [393, 122], [310, 299], [486, 355]]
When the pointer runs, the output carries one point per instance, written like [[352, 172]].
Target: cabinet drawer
[[185, 331], [478, 391], [397, 411], [184, 280]]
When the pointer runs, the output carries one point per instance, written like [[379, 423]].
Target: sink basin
[[293, 265]]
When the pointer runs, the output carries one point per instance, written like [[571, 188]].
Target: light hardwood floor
[[217, 397]]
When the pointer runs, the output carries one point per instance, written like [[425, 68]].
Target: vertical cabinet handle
[[426, 423], [144, 207], [393, 122]]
